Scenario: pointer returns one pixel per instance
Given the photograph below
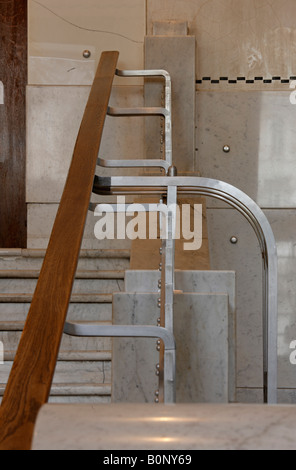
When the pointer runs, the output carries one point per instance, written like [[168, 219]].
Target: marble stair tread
[[72, 372], [80, 286], [79, 298], [39, 253], [85, 274], [88, 259], [19, 325], [78, 390], [72, 356]]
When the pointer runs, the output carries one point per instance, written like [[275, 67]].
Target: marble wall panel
[[201, 334], [60, 30], [199, 282], [236, 37], [54, 115], [259, 129], [245, 259]]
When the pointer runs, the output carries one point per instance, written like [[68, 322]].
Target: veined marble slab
[[174, 427], [201, 334], [201, 282]]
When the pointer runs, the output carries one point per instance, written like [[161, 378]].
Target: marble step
[[72, 372], [76, 393], [24, 281], [86, 307], [89, 259]]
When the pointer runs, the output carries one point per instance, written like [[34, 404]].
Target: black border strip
[[246, 80]]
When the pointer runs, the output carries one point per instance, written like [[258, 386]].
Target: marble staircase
[[83, 371]]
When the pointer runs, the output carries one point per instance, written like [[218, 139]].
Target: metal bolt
[[226, 148], [156, 400], [159, 284], [86, 54], [172, 171], [160, 266], [158, 303], [234, 240]]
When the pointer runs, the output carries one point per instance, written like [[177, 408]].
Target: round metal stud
[[226, 148], [86, 54], [234, 240]]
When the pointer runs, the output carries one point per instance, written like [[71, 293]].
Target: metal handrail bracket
[[165, 111], [136, 331]]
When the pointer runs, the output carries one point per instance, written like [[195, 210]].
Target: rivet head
[[234, 240], [226, 148], [86, 54]]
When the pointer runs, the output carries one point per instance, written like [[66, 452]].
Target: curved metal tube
[[257, 219]]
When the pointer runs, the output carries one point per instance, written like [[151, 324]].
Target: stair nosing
[[84, 253], [80, 274], [75, 298], [62, 389]]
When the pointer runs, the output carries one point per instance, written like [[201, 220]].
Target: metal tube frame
[[165, 111], [256, 218], [132, 331]]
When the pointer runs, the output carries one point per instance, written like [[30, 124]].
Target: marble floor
[[165, 427]]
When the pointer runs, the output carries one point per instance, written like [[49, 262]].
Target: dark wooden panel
[[13, 75], [31, 376]]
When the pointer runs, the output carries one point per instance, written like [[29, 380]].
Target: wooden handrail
[[32, 372]]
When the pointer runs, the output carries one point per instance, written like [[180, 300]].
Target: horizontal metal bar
[[151, 163], [123, 331], [144, 73]]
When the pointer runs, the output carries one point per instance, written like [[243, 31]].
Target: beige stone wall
[[236, 37]]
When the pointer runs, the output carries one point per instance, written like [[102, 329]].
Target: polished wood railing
[[32, 372]]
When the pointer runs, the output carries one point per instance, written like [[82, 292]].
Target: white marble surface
[[72, 372], [259, 128], [201, 334], [198, 282], [54, 115], [160, 427], [245, 259]]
